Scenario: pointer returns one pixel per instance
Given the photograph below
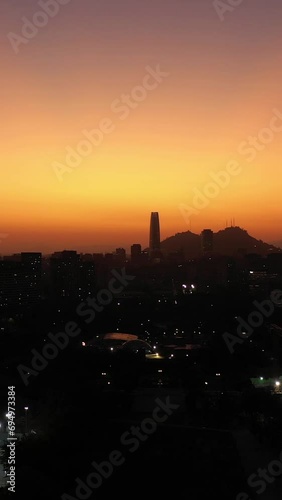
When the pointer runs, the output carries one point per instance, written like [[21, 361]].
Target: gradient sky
[[224, 81]]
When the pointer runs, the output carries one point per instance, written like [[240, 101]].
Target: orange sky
[[224, 82]]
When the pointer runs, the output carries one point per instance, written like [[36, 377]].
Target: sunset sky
[[224, 83]]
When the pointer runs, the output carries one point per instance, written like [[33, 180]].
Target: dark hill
[[229, 241]]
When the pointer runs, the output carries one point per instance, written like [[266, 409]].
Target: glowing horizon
[[221, 90]]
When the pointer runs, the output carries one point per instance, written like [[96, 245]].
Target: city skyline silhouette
[[141, 249]]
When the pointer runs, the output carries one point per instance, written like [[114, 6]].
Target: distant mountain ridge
[[230, 241]]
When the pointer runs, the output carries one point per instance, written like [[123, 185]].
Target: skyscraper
[[136, 250], [120, 256], [155, 240], [207, 241], [20, 280], [64, 269]]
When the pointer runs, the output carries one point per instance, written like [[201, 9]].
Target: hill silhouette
[[231, 241]]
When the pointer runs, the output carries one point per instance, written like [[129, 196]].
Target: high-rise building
[[64, 267], [120, 256], [155, 239], [207, 241], [87, 276], [136, 250], [11, 284], [20, 280], [72, 275], [32, 264]]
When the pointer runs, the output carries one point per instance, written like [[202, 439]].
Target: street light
[[26, 419]]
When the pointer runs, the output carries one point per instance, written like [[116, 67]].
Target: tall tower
[[155, 239], [207, 241]]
